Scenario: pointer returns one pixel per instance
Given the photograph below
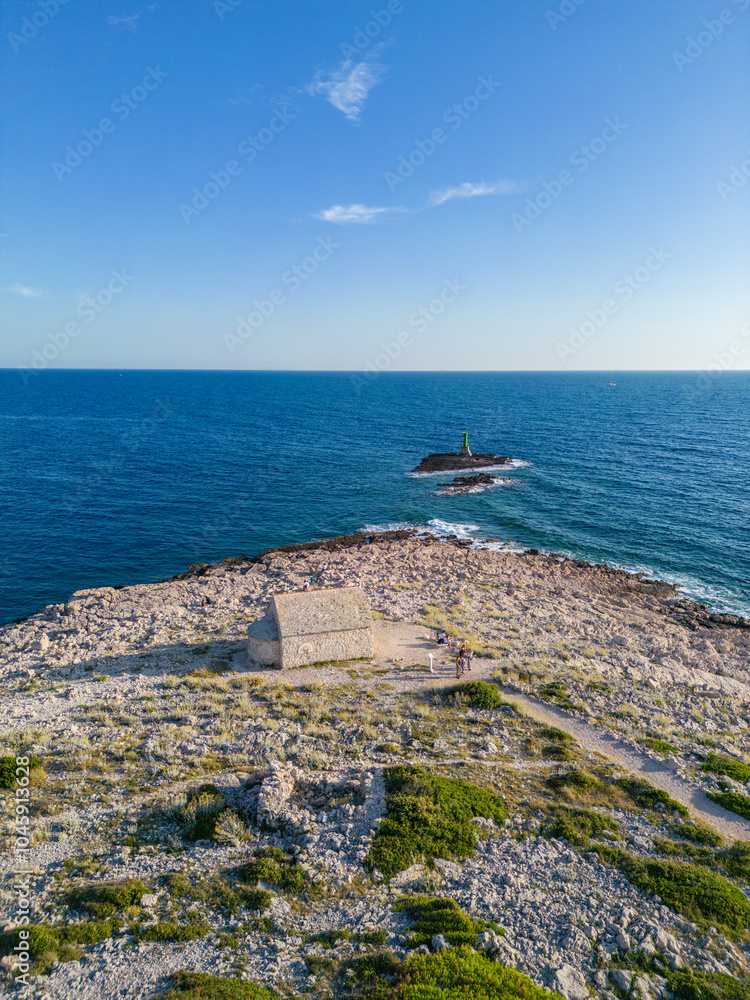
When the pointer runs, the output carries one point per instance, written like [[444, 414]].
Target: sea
[[118, 477]]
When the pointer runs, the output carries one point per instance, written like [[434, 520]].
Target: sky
[[390, 184]]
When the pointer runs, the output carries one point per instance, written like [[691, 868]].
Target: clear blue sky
[[582, 204]]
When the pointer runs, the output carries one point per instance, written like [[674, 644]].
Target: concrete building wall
[[301, 650]]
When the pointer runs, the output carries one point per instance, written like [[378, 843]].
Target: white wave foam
[[442, 529]]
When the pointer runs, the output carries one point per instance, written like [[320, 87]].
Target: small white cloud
[[348, 86], [124, 21], [28, 293], [467, 190], [345, 214]]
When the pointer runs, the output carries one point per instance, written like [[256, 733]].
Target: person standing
[[459, 664], [469, 658]]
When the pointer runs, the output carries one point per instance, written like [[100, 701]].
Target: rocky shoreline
[[134, 699]]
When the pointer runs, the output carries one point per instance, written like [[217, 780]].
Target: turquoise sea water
[[111, 478]]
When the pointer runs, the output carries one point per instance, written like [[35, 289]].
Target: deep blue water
[[112, 478]]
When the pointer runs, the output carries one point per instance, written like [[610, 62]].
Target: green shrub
[[694, 891], [168, 931], [660, 746], [428, 817], [431, 915], [89, 932], [697, 831], [645, 796], [102, 899], [690, 984], [8, 766], [200, 985], [217, 891], [555, 691], [579, 780], [460, 974], [555, 751], [201, 814], [733, 801], [272, 866], [376, 938], [550, 733], [479, 694], [579, 825], [736, 769], [736, 860]]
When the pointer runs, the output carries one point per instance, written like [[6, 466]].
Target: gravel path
[[591, 737]]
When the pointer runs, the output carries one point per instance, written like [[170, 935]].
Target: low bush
[[579, 780], [645, 796], [201, 814], [168, 931], [8, 766], [431, 915], [479, 694], [103, 899], [579, 825], [692, 890], [216, 891], [556, 751], [200, 985], [733, 801], [698, 832], [62, 943], [690, 984], [272, 866], [550, 733], [716, 764], [462, 973], [660, 746], [736, 860], [428, 817]]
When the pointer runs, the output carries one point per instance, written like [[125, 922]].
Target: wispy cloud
[[468, 190], [346, 214], [28, 293], [347, 87], [123, 21]]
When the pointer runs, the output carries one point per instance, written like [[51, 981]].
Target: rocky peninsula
[[194, 815]]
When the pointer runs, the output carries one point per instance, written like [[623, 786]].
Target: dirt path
[[593, 738], [403, 646]]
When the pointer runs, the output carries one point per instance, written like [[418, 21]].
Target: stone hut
[[307, 626]]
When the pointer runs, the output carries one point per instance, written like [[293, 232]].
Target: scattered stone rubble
[[658, 664]]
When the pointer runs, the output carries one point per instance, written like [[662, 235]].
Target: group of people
[[463, 660], [464, 656]]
